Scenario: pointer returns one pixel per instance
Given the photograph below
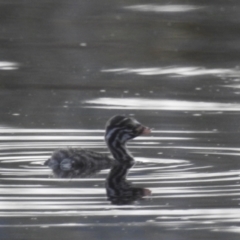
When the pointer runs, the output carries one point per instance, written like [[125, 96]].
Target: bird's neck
[[119, 151]]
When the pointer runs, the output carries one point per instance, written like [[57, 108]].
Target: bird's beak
[[143, 130], [146, 130]]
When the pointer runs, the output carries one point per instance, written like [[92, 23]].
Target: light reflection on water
[[4, 65], [160, 104], [177, 71], [170, 179], [164, 8]]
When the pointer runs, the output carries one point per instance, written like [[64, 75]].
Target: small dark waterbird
[[75, 162]]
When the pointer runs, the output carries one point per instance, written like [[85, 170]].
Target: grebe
[[74, 162]]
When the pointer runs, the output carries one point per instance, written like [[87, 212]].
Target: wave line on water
[[177, 71], [218, 213], [162, 8], [159, 104]]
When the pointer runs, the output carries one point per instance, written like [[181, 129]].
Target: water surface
[[67, 67]]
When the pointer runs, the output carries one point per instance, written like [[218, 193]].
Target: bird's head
[[122, 129]]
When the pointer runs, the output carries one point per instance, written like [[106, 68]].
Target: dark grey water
[[67, 66]]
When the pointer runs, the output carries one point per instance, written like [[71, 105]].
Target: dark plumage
[[76, 162]]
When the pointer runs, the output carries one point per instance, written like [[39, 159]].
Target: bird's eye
[[130, 126]]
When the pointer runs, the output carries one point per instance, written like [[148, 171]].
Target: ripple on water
[[158, 8], [27, 191], [160, 104]]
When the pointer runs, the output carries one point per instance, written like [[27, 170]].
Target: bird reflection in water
[[119, 190], [68, 163]]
